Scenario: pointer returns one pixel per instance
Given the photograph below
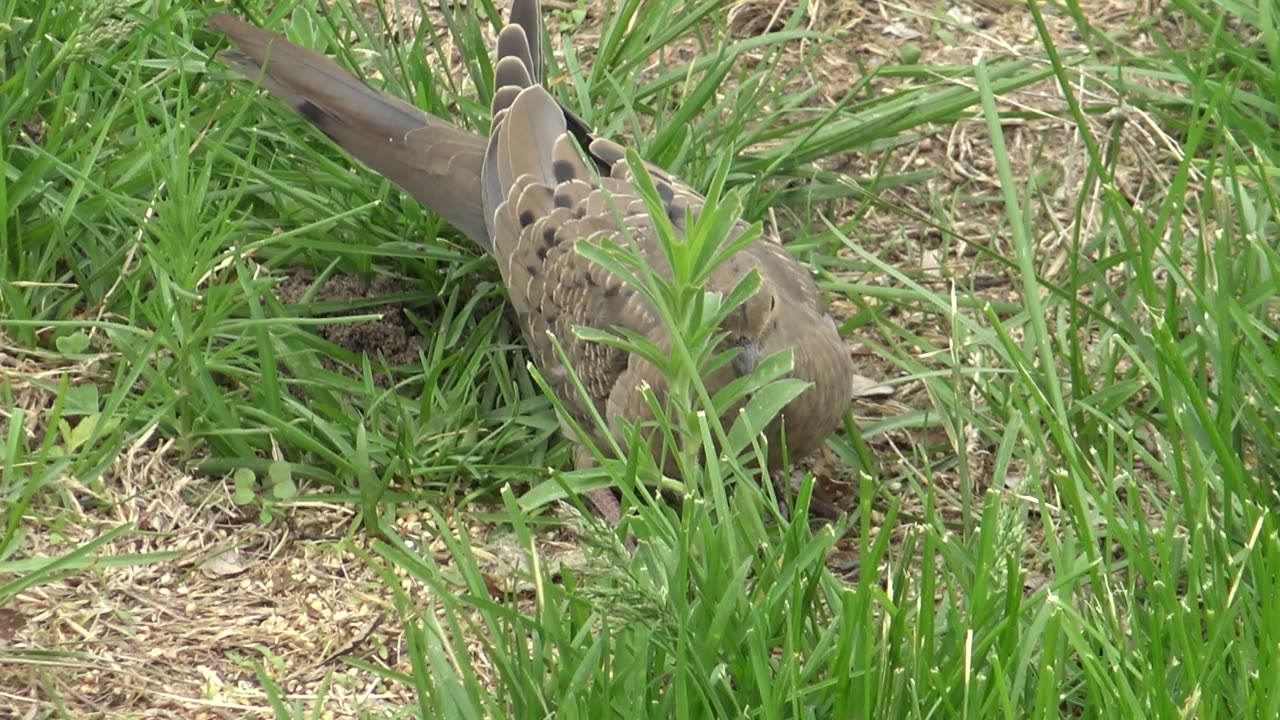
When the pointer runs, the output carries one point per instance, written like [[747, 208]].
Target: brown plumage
[[526, 195]]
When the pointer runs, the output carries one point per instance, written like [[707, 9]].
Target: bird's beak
[[744, 363]]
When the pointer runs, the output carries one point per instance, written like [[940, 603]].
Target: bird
[[541, 182]]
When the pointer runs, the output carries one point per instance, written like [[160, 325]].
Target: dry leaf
[[225, 564], [865, 387], [11, 621]]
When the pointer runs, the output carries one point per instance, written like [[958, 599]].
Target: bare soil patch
[[391, 337]]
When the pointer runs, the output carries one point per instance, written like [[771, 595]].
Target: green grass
[[1113, 426]]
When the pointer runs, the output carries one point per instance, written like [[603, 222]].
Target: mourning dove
[[537, 185]]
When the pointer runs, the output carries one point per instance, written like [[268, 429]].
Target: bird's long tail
[[437, 162]]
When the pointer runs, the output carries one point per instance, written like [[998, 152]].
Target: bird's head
[[748, 325]]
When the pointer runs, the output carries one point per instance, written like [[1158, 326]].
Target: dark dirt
[[392, 337]]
